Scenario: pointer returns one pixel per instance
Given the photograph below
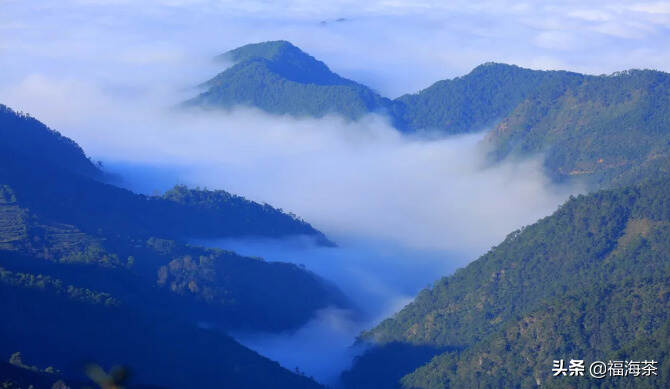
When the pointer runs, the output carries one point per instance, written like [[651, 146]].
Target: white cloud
[[398, 46], [556, 39], [591, 15], [658, 7]]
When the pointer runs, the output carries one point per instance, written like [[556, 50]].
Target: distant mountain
[[89, 271], [279, 78], [588, 282], [603, 130], [479, 99]]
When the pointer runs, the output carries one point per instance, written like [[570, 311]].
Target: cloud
[[321, 349], [658, 7], [380, 277], [397, 46], [556, 39], [591, 15]]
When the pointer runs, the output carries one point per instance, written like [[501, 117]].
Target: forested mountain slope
[[72, 327], [25, 138], [609, 130], [603, 130], [279, 78], [479, 99], [89, 271], [589, 282]]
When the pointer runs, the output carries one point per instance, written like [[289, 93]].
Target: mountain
[[27, 141], [92, 272], [279, 78], [602, 130], [74, 326], [588, 282], [479, 99], [16, 375], [607, 130]]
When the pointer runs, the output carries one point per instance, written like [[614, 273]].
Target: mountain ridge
[[563, 287]]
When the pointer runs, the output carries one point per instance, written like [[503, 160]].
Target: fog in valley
[[404, 211], [378, 277]]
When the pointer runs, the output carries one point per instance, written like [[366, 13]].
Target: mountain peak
[[493, 64], [280, 78], [270, 50], [286, 60], [497, 67]]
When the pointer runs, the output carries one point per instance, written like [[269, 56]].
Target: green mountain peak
[[270, 50], [279, 78]]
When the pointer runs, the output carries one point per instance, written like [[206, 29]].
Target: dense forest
[[608, 130], [92, 272], [477, 100], [588, 282], [279, 78]]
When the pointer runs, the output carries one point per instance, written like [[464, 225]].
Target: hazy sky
[[395, 46]]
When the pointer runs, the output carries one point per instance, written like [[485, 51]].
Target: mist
[[378, 277]]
